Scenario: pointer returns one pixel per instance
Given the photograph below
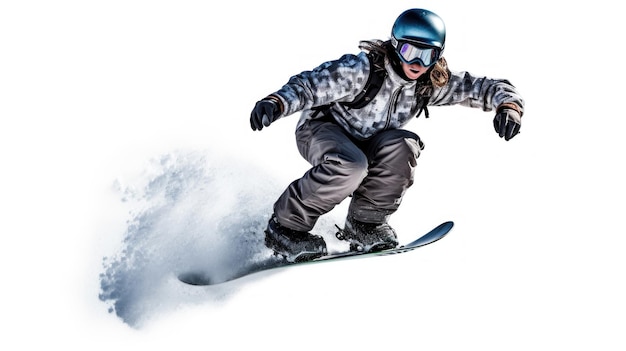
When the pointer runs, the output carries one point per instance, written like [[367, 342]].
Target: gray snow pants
[[376, 172]]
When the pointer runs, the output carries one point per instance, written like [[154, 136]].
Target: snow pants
[[376, 172]]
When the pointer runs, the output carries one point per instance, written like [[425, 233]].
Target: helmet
[[420, 27]]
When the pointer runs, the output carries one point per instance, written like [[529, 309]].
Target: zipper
[[393, 104]]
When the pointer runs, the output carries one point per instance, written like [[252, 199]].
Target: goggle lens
[[413, 54]]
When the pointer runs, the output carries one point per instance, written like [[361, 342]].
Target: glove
[[507, 123], [264, 113]]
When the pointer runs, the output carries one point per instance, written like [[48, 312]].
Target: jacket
[[396, 103]]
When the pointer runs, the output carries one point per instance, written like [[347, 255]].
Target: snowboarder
[[350, 130]]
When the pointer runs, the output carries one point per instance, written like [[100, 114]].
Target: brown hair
[[440, 74]]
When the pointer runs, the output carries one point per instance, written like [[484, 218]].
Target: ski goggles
[[412, 53]]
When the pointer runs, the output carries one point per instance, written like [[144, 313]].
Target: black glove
[[264, 113], [507, 123]]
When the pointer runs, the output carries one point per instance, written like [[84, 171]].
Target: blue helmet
[[419, 27]]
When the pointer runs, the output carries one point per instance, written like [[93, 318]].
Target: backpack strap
[[374, 81]]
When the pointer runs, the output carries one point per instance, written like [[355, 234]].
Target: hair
[[439, 72]]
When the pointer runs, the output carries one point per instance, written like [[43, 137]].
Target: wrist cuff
[[277, 101], [511, 105]]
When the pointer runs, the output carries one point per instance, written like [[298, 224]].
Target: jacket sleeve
[[478, 92], [338, 80]]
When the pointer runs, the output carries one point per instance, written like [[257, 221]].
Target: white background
[[90, 91]]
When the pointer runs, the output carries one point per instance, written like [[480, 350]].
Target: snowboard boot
[[368, 237], [293, 245]]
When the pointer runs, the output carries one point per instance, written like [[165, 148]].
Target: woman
[[350, 130]]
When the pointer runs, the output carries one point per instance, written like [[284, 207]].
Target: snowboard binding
[[293, 246], [363, 241]]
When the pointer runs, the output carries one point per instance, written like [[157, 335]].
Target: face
[[413, 70]]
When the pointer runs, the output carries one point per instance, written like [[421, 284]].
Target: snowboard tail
[[204, 279]]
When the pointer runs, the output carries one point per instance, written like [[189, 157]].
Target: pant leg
[[339, 166], [392, 159]]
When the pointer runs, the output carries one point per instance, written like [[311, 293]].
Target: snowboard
[[203, 279]]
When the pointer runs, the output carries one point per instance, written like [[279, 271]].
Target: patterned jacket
[[394, 105]]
